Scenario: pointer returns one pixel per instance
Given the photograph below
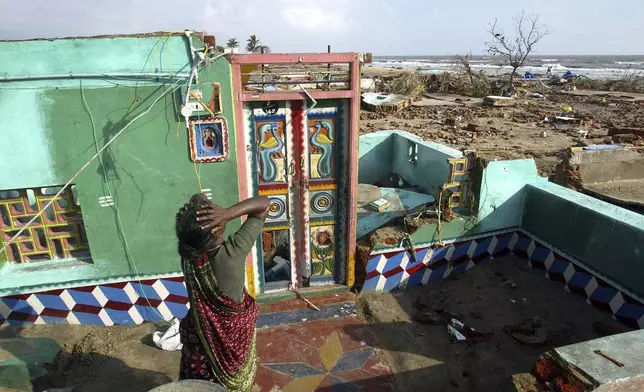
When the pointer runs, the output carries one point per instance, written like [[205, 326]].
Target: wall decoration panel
[[58, 233], [209, 140]]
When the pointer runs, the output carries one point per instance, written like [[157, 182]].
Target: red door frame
[[352, 94]]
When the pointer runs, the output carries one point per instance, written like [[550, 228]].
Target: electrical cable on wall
[[173, 88], [119, 222]]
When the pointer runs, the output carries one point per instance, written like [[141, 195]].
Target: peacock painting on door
[[294, 163], [298, 145]]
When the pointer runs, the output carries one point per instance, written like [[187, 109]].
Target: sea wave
[[557, 68], [629, 62], [547, 60]]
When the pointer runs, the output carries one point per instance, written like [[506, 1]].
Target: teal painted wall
[[502, 193], [95, 55], [607, 239], [375, 156], [431, 169], [149, 169], [388, 151], [22, 134]]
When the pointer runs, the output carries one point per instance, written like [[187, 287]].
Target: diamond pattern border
[[123, 303], [134, 302], [395, 271]]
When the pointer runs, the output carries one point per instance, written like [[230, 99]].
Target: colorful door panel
[[321, 139], [295, 165], [320, 192]]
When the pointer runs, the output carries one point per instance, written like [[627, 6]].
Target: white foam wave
[[629, 62], [489, 67]]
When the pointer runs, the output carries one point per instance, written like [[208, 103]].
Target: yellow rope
[[197, 175]]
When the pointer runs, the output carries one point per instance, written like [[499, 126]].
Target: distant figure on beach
[[549, 73]]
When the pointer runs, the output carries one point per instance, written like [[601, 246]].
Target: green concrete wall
[[607, 239], [431, 169], [501, 196], [46, 136], [388, 151], [375, 156]]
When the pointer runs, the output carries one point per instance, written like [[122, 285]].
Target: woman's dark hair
[[193, 240]]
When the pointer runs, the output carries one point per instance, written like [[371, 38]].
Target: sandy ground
[[97, 359], [513, 132], [421, 354], [102, 359]]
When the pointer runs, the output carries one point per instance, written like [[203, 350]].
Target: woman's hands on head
[[213, 217]]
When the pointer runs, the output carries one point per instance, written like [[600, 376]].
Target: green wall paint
[[95, 55], [607, 239], [501, 198], [149, 168], [388, 151], [375, 156], [22, 134], [431, 169]]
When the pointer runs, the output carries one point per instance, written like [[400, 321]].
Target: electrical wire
[[117, 211], [174, 87]]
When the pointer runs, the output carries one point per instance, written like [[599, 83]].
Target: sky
[[383, 27]]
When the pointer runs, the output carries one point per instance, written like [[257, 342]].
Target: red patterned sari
[[218, 334]]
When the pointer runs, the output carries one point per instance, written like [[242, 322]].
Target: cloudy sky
[[384, 27]]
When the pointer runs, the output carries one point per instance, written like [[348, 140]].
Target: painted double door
[[296, 164]]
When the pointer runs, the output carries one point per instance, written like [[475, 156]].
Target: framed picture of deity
[[208, 139]]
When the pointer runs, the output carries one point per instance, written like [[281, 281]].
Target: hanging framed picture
[[209, 139]]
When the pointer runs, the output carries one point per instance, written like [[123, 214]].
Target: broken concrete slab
[[385, 103], [24, 359], [582, 360], [615, 175], [368, 84], [453, 99], [493, 100], [402, 203]]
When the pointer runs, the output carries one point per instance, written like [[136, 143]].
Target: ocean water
[[610, 67]]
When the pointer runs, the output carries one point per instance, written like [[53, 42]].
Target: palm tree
[[253, 44], [263, 49], [220, 49], [232, 43]]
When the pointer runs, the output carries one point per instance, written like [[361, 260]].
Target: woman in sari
[[218, 334]]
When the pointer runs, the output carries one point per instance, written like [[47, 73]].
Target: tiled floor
[[321, 355]]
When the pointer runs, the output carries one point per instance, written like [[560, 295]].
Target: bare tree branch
[[528, 33]]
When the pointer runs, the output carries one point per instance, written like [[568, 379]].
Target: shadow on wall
[[375, 157]]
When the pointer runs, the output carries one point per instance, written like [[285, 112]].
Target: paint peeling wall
[[46, 135]]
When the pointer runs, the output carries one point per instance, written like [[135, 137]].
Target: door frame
[[244, 151]]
